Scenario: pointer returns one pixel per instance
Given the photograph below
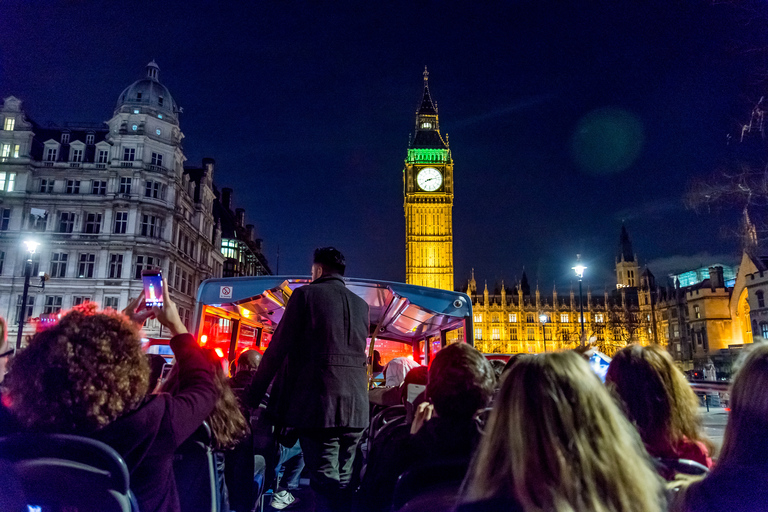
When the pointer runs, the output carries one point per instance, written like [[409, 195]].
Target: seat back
[[59, 472], [195, 473], [385, 416], [684, 466], [433, 486]]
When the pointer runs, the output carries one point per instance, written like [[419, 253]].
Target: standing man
[[317, 360]]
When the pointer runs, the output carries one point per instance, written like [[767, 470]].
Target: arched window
[[760, 299], [764, 330]]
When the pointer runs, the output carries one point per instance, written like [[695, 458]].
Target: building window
[[145, 263], [89, 139], [5, 151], [151, 226], [30, 307], [50, 154], [529, 318], [59, 264], [65, 138], [5, 220], [52, 304], [696, 312], [10, 122], [599, 318], [115, 266], [35, 265], [760, 299], [103, 157], [77, 155], [129, 154], [154, 189], [7, 181], [46, 186], [92, 223], [531, 334], [229, 250], [495, 334], [99, 188], [564, 318], [478, 333], [513, 317], [2, 261], [112, 302], [160, 101], [66, 222], [547, 333], [86, 264], [16, 150], [81, 299], [121, 222], [478, 316], [157, 159], [73, 186], [764, 330], [513, 333], [125, 185]]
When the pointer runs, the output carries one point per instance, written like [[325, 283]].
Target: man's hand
[[168, 315], [137, 311], [423, 414]]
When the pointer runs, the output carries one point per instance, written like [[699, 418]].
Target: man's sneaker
[[283, 499]]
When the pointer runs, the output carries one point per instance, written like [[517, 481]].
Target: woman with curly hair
[[556, 441], [739, 481], [660, 402], [228, 425], [88, 376]]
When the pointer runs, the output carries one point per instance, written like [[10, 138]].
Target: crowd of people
[[539, 433]]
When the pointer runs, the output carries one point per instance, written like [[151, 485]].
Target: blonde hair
[[656, 396], [746, 434], [557, 441]]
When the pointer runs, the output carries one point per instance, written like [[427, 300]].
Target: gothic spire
[[625, 246]]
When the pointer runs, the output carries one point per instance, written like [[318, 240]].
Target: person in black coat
[[318, 363], [88, 376]]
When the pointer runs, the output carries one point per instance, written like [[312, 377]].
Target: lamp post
[[543, 320], [579, 269], [31, 246]]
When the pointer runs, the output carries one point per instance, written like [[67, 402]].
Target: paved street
[[714, 423]]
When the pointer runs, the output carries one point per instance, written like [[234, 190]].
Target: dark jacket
[[317, 359], [148, 436]]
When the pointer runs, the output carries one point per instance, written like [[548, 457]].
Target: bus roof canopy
[[400, 312]]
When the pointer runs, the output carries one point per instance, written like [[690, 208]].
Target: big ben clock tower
[[428, 190]]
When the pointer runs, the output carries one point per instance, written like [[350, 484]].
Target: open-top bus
[[241, 313]]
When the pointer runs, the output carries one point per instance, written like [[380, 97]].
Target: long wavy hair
[[228, 425], [746, 434], [556, 441], [656, 397], [80, 374]]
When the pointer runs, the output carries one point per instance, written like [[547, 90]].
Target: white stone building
[[104, 202]]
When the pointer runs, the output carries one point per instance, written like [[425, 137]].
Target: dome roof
[[149, 93]]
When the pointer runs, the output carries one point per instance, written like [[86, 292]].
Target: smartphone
[[167, 367], [153, 288], [599, 363]]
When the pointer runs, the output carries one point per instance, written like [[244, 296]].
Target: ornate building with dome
[[104, 202]]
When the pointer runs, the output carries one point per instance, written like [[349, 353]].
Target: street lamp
[[579, 269], [543, 320], [31, 247]]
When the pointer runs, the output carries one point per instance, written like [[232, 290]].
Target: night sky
[[563, 121]]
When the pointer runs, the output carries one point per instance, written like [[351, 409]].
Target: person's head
[[746, 434], [376, 357], [556, 440], [156, 364], [327, 261], [397, 369], [498, 368], [461, 381], [5, 348], [80, 374], [228, 425], [249, 361], [655, 395]]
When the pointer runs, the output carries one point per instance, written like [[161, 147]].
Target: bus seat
[[195, 473], [428, 487], [684, 466], [66, 472], [385, 416]]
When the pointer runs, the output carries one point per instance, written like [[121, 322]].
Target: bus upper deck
[[236, 314]]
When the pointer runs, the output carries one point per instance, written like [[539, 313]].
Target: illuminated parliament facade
[[428, 191]]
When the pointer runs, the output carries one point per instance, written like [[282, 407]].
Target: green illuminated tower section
[[428, 191]]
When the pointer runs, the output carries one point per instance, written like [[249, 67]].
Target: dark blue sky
[[563, 120]]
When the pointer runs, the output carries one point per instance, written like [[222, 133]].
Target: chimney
[[226, 198], [240, 217], [249, 231], [716, 278]]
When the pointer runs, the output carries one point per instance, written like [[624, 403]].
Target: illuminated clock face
[[429, 179]]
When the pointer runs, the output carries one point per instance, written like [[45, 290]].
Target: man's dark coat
[[317, 358]]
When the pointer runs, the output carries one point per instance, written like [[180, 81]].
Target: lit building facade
[[241, 249], [105, 203], [428, 192]]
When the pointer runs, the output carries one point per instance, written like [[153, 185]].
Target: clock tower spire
[[428, 192]]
